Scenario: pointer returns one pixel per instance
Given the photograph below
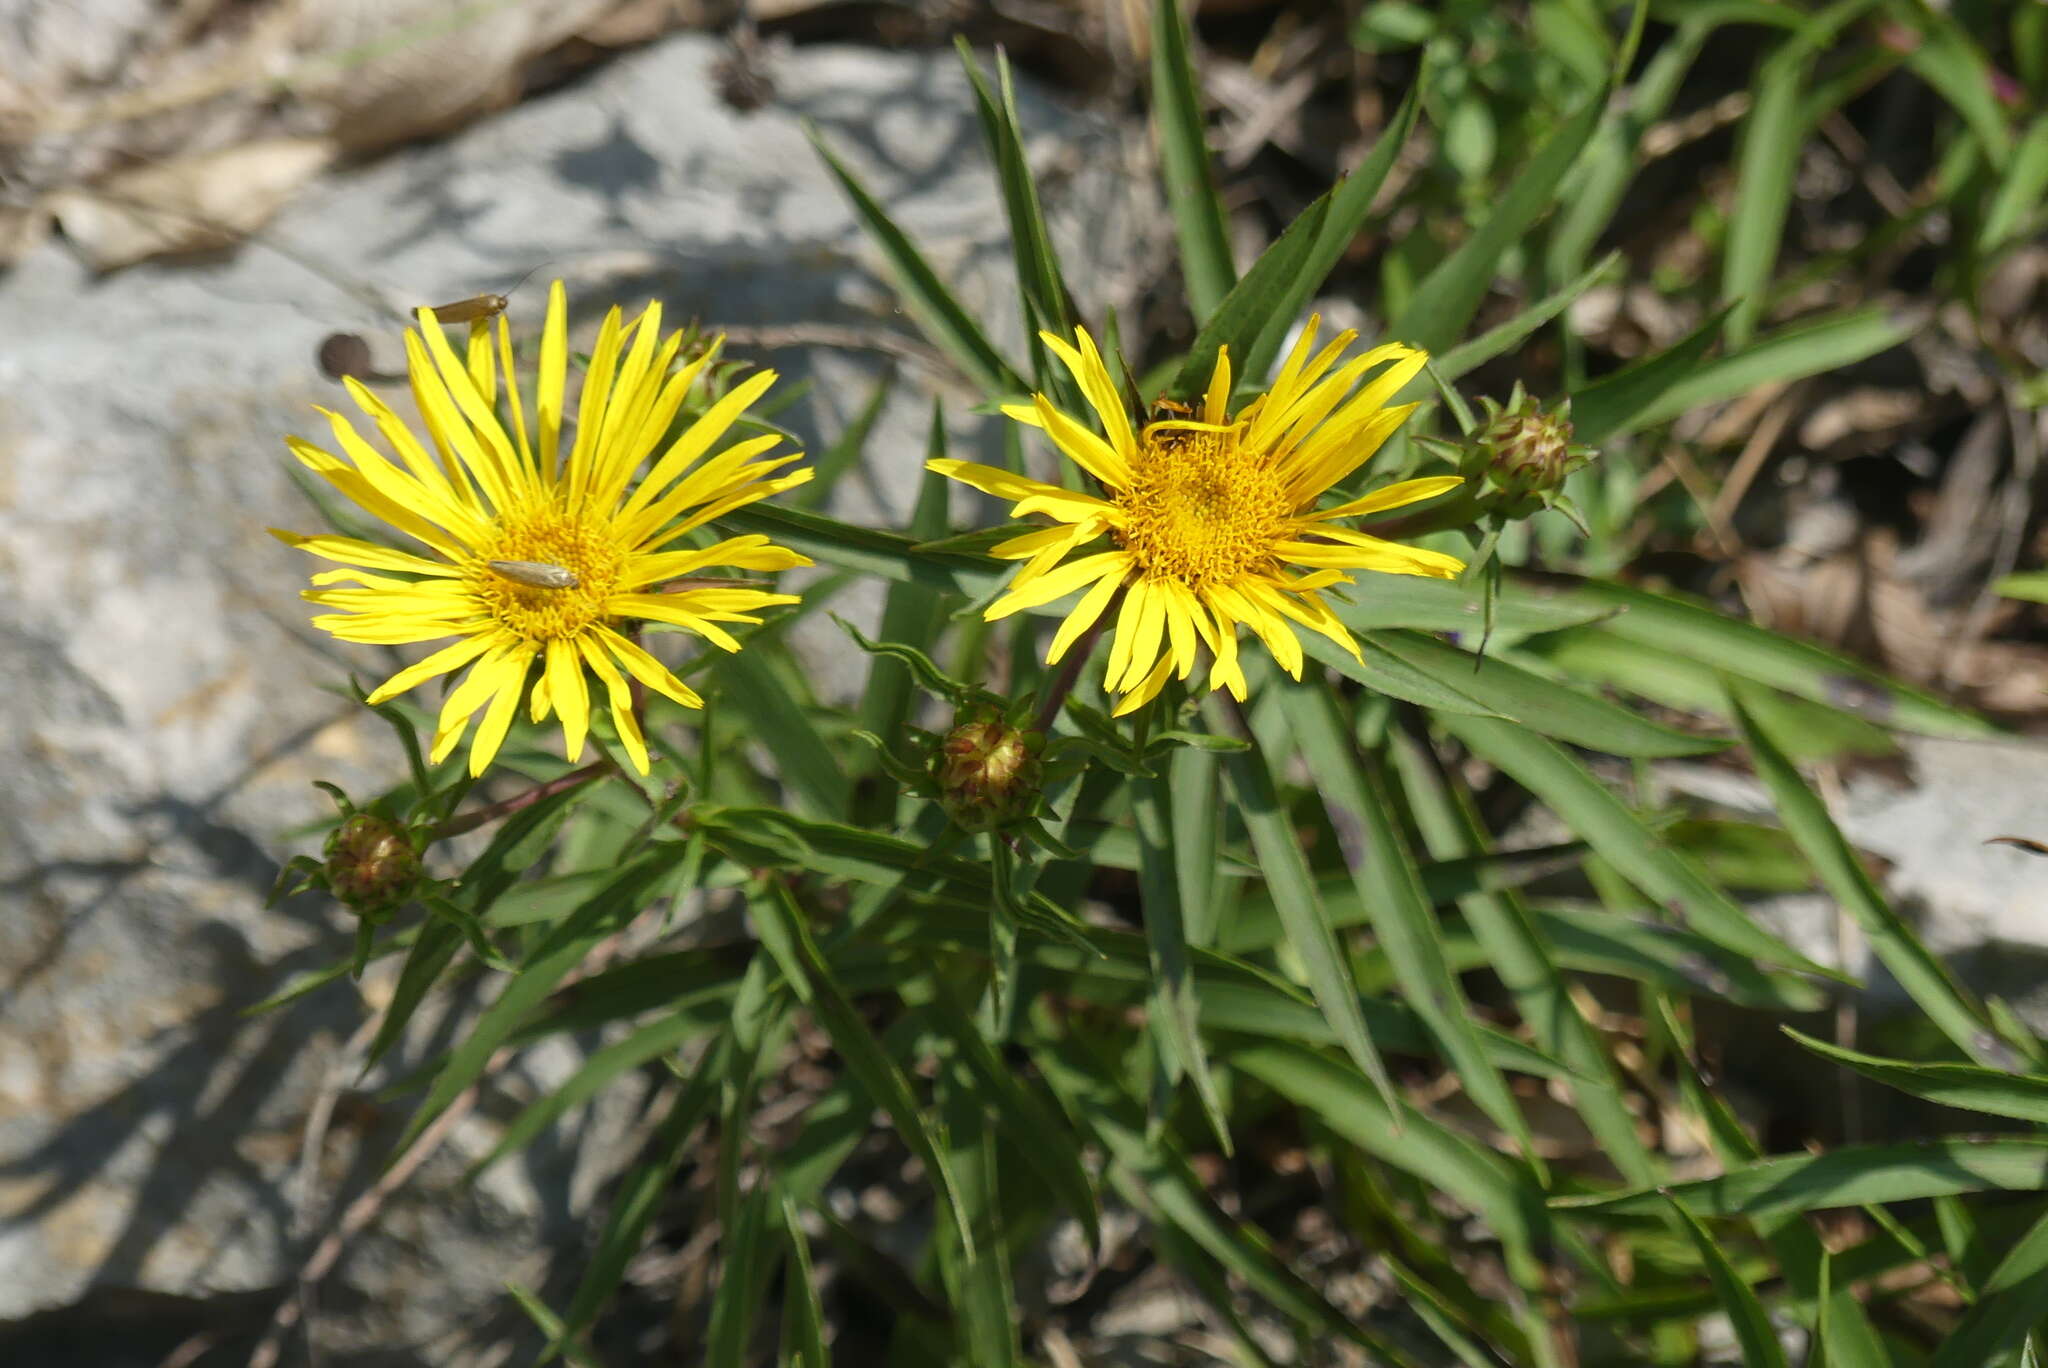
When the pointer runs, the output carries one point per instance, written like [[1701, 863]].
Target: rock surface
[[165, 696]]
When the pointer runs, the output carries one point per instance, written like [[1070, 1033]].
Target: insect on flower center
[[1199, 507], [518, 597]]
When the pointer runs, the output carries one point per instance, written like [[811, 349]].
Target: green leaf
[[1495, 341], [1396, 1134], [2018, 196], [1038, 268], [1596, 815], [1569, 714], [1614, 404], [1809, 347], [433, 949], [550, 1325], [1753, 1331], [1448, 297], [1382, 868], [889, 556], [980, 1285], [1519, 952], [803, 1314], [1433, 605], [1154, 1176], [1309, 931], [786, 933], [835, 460], [1698, 632], [1971, 1087], [1949, 60], [1766, 160], [563, 949], [945, 321], [640, 1195], [743, 1285], [1178, 124], [1192, 777], [648, 1042], [783, 726], [1038, 1125], [1253, 302], [1845, 1177], [1950, 1006], [1351, 201], [1385, 673], [1172, 1013]]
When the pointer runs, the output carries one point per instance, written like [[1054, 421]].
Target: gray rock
[[165, 707]]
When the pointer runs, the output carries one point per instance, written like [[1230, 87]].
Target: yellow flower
[[533, 560], [1211, 518]]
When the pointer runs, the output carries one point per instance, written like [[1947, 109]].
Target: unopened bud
[[988, 772], [371, 865], [1524, 450]]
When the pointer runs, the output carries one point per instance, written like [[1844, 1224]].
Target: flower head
[[1525, 450], [1211, 518], [372, 864], [987, 771], [543, 563]]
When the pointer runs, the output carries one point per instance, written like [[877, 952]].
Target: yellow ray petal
[[647, 669], [1059, 582], [620, 700], [1217, 400], [553, 378], [1100, 389], [571, 699], [1146, 689], [497, 719], [350, 551], [1393, 496], [1084, 448], [439, 663], [1082, 616], [1006, 485], [1146, 632]]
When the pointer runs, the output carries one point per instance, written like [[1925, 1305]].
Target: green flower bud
[[371, 865], [1523, 450], [987, 771]]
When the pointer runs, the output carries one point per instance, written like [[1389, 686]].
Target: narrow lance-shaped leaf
[[1448, 297], [1355, 796], [1351, 201], [1617, 834], [1184, 163], [1845, 1177], [1926, 980], [786, 934], [1173, 1015], [951, 328], [1301, 910], [1753, 1331]]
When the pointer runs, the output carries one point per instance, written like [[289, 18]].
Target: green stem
[[491, 812]]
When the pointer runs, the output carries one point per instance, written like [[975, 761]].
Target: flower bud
[[1524, 450], [371, 865], [987, 771]]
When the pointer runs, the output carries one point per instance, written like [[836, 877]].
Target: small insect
[[1162, 406], [536, 574], [471, 309]]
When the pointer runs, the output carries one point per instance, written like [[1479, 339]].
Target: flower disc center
[[1198, 506], [585, 548]]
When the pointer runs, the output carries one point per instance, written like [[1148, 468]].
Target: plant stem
[[491, 812], [1070, 668]]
